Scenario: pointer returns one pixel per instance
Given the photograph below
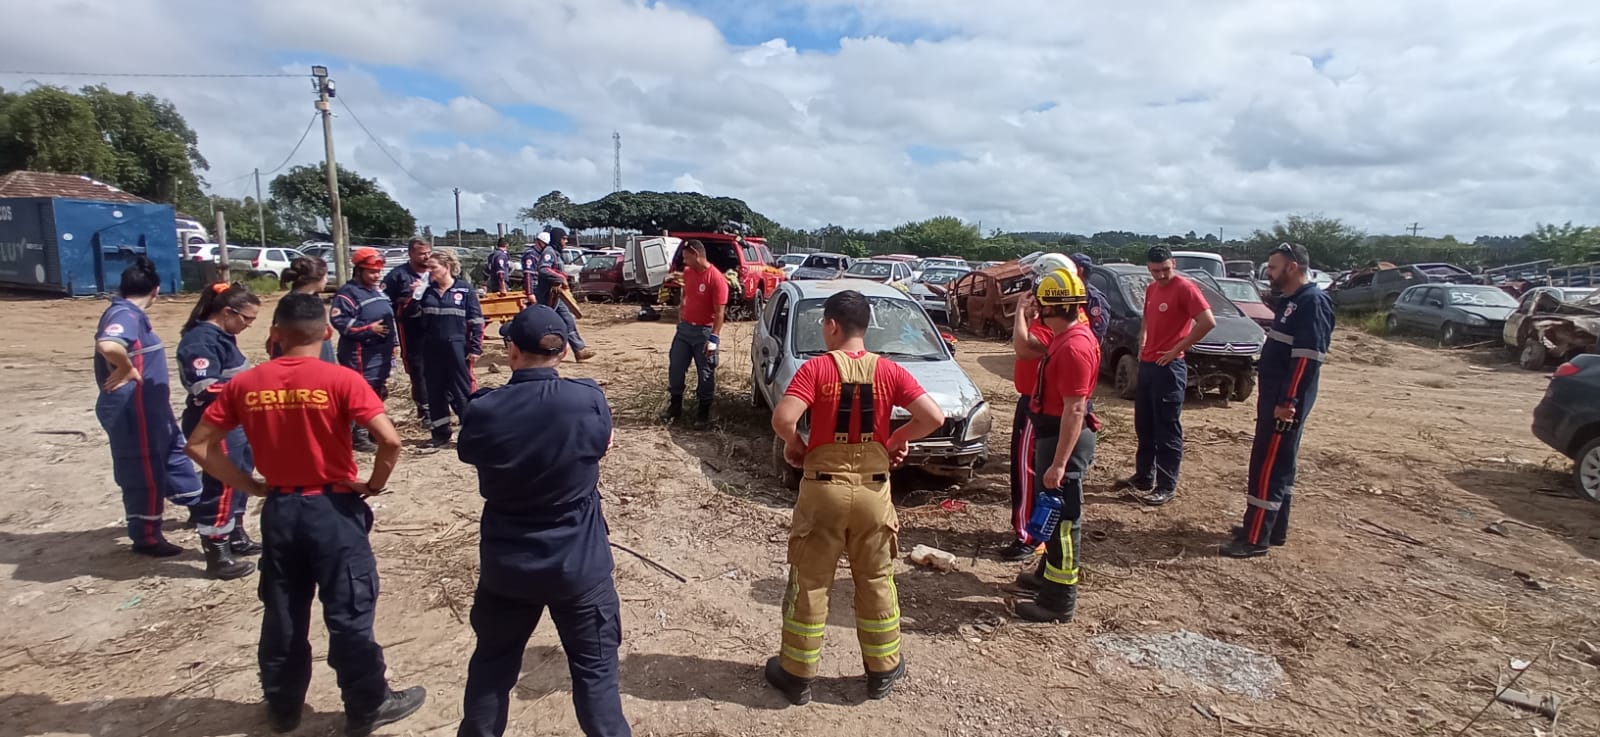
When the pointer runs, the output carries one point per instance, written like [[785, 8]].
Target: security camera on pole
[[341, 239]]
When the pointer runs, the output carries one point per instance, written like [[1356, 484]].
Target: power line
[[151, 75], [380, 145], [286, 159]]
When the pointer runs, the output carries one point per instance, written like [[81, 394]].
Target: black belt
[[829, 476], [1050, 425], [311, 490]]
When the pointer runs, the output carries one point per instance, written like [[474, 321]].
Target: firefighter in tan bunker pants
[[844, 504]]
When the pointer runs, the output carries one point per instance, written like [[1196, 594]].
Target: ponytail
[[140, 279], [304, 271], [216, 298]]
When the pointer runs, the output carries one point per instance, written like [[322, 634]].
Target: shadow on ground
[[1537, 496], [50, 557], [139, 716]]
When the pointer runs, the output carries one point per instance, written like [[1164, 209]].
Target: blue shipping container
[[79, 248]]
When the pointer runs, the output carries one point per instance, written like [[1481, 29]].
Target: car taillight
[[1566, 369], [255, 262]]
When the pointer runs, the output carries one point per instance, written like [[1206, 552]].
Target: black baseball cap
[[531, 326]]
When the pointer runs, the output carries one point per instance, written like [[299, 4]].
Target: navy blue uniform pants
[[147, 458], [315, 544], [411, 357], [449, 382], [1158, 421], [1063, 552], [543, 294], [1271, 484], [221, 508], [689, 344], [590, 627], [1023, 483]]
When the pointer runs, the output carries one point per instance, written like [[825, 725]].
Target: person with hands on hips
[[450, 328], [1176, 316], [1063, 418], [296, 412], [700, 315], [844, 505], [1290, 368]]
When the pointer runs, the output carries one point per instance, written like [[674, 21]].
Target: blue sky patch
[[931, 154]]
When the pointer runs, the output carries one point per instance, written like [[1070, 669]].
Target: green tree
[[1332, 244], [1565, 243], [652, 212], [301, 194], [156, 151], [553, 207], [245, 230], [51, 129], [943, 235]]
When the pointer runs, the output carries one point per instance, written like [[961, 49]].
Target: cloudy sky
[[1154, 116]]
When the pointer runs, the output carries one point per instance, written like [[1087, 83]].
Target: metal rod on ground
[[222, 245], [261, 219], [1497, 693], [341, 240]]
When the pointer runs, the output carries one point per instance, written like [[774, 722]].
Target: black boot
[[193, 521], [219, 560], [674, 409], [361, 441], [794, 688], [1238, 548], [1055, 603], [158, 549], [283, 720], [239, 540], [702, 414], [1029, 582], [396, 706], [880, 684], [1238, 534]]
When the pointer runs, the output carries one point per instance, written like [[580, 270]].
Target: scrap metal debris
[[1229, 667]]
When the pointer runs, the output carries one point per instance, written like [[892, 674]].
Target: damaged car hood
[[947, 383]]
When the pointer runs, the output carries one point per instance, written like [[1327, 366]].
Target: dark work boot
[[1029, 582], [239, 541], [283, 720], [1136, 483], [1159, 497], [1238, 548], [219, 560], [361, 441], [1055, 603], [396, 706], [1018, 551], [158, 549], [702, 414], [193, 521], [439, 440], [674, 409], [880, 684], [797, 690], [1238, 534]]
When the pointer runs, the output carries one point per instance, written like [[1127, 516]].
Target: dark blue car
[[1568, 419]]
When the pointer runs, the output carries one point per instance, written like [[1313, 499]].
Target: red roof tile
[[67, 186]]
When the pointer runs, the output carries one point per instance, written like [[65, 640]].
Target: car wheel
[[1243, 386], [1392, 324], [1125, 378], [1534, 355], [1586, 471], [789, 475], [756, 400], [1449, 334]]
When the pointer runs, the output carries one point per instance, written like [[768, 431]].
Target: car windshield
[[1481, 297], [1239, 291], [822, 262], [869, 269], [1133, 286], [940, 276], [899, 330]]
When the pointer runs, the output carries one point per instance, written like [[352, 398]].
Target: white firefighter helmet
[[1050, 262]]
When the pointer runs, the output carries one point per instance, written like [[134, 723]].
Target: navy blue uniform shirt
[[537, 444], [450, 315], [356, 311], [208, 357], [500, 262], [1297, 343]]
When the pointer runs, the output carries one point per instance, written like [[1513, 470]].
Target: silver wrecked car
[[790, 333]]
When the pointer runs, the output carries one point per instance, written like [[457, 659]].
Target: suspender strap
[[855, 392]]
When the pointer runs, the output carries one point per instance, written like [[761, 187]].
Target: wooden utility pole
[[458, 217], [261, 218], [1414, 228], [341, 239], [222, 245]]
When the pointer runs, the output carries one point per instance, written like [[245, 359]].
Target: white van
[[1206, 261]]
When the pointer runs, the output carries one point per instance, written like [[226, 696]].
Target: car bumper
[[1553, 423], [946, 457]]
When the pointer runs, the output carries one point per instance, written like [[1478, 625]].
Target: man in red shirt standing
[[844, 505], [1067, 433], [700, 312], [296, 411], [1176, 316]]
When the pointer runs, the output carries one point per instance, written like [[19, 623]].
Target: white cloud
[[1163, 116]]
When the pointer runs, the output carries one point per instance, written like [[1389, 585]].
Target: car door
[[768, 344], [1430, 313], [1512, 334]]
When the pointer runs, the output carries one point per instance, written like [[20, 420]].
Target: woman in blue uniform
[[450, 326], [208, 356], [364, 318], [147, 457]]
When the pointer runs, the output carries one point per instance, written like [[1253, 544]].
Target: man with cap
[[499, 267], [1176, 316], [541, 268], [399, 285], [542, 538], [1067, 429], [364, 318], [296, 412], [1290, 366], [1099, 310], [700, 314]]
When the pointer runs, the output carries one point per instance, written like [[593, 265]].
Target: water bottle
[[1046, 516], [711, 352]]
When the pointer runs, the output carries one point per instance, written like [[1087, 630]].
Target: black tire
[[1391, 324], [1586, 471], [1243, 386], [1533, 356], [1125, 376], [1449, 334], [756, 400], [789, 475]]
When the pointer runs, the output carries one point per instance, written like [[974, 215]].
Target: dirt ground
[[1402, 629]]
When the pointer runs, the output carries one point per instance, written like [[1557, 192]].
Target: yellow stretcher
[[500, 308]]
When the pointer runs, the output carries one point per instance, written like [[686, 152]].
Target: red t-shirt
[[1071, 367], [1169, 313], [702, 292], [296, 412], [1025, 375], [817, 384]]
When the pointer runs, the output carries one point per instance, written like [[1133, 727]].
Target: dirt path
[[1377, 636]]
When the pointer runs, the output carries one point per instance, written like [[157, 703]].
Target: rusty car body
[[985, 301], [1547, 328]]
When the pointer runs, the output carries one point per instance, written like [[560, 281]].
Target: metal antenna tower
[[616, 161]]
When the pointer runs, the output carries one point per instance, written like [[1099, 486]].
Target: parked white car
[[790, 332], [789, 262], [270, 261], [893, 273]]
